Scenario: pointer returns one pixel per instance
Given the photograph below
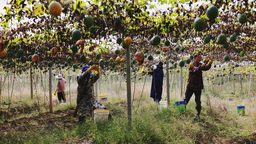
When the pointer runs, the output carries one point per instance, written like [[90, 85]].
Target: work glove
[[97, 68], [191, 64], [55, 92], [91, 68], [210, 62]]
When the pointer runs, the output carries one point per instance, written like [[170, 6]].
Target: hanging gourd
[[35, 58], [2, 53], [80, 42], [76, 35], [118, 59], [55, 8], [2, 45], [54, 51], [128, 41], [164, 49], [139, 56]]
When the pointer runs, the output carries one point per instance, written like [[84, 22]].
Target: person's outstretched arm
[[151, 73], [86, 74], [96, 76], [206, 67]]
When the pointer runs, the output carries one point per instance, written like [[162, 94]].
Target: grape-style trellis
[[50, 37]]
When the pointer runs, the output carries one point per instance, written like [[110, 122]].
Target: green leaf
[[152, 6], [174, 14], [218, 20], [95, 2], [173, 1], [38, 9], [113, 32], [204, 17], [128, 8]]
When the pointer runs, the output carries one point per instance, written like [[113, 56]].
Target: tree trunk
[[128, 75]]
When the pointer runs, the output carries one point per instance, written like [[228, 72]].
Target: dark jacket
[[195, 78], [157, 83], [85, 99]]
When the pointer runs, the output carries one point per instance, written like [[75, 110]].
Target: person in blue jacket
[[157, 82]]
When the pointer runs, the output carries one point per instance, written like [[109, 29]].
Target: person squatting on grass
[[157, 82], [86, 102], [195, 81], [61, 88]]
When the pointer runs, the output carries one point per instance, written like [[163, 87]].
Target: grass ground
[[28, 121]]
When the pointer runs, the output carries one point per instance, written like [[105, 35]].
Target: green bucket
[[180, 106], [240, 110]]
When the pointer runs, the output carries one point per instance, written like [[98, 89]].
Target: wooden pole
[[0, 86], [177, 80], [0, 92], [250, 85], [69, 87], [119, 87], [96, 89], [8, 85], [212, 85], [36, 82], [223, 82], [234, 85], [42, 85], [100, 81], [253, 80], [109, 80], [10, 100], [128, 76], [31, 82], [241, 81], [220, 82], [134, 86], [181, 83], [50, 88], [168, 83]]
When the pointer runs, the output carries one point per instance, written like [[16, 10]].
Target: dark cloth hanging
[[157, 83]]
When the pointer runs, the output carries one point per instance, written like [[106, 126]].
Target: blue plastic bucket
[[240, 110], [180, 106]]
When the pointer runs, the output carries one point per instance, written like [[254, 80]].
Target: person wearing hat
[[61, 88], [85, 98], [157, 82], [195, 81]]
